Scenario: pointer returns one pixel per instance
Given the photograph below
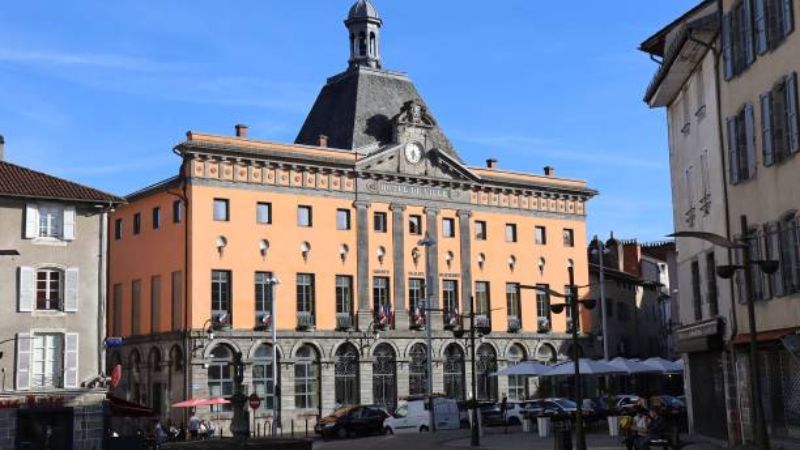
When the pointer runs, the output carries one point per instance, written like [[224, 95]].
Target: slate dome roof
[[363, 9]]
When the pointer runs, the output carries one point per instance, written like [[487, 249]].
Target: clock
[[413, 152]]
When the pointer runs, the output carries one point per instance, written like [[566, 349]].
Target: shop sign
[[32, 401]]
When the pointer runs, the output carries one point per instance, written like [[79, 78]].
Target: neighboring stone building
[[338, 218], [52, 274]]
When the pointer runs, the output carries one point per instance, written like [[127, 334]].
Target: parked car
[[670, 404], [490, 414], [463, 414], [626, 403], [558, 408], [413, 416], [350, 421]]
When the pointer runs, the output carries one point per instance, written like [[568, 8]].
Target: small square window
[[540, 235], [415, 225], [511, 232], [221, 210], [177, 211], [156, 218], [118, 229], [480, 230], [137, 223], [569, 237], [264, 213], [379, 221], [304, 218], [342, 219], [448, 228]]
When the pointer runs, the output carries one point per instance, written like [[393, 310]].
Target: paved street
[[493, 439]]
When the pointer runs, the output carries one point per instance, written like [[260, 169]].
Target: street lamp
[[475, 439], [272, 282], [429, 242], [600, 250], [727, 272], [571, 301]]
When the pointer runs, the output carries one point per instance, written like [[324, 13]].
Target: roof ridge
[[28, 171]]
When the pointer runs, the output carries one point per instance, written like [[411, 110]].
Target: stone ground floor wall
[[86, 408], [167, 372]]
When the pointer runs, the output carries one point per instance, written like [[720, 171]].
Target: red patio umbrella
[[191, 403]]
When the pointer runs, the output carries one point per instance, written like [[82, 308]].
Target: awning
[[124, 408], [764, 336]]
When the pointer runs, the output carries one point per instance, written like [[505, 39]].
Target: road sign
[[254, 401], [114, 341]]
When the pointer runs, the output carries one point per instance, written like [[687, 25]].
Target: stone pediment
[[399, 160]]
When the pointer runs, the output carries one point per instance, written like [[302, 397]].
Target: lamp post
[[272, 282], [571, 301], [475, 437], [429, 242], [599, 250], [727, 272]]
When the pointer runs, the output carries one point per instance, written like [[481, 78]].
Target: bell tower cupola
[[364, 26]]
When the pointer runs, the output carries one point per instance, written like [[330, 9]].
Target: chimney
[[549, 171], [241, 131], [2, 147], [322, 141], [491, 163]]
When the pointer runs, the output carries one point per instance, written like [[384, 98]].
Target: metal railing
[[514, 324], [344, 321], [305, 320]]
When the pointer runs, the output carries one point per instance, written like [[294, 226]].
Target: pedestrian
[[641, 426], [202, 432], [159, 434], [211, 429], [194, 425], [503, 411]]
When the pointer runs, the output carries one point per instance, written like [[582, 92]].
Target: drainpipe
[[187, 332], [103, 275]]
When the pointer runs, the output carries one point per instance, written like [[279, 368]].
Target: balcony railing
[[383, 321], [221, 319], [543, 325], [263, 321], [452, 320], [344, 321], [483, 323], [514, 324], [305, 320], [416, 320]]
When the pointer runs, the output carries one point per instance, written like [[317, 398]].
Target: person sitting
[[641, 428]]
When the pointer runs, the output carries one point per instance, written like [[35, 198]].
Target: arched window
[[135, 379], [346, 376], [373, 51], [454, 372], [154, 360], [306, 378], [176, 358], [362, 44], [156, 386], [220, 375], [486, 365], [546, 354], [418, 370], [517, 384], [384, 377], [115, 360], [263, 385]]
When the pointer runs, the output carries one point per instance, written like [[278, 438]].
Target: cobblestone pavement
[[492, 439]]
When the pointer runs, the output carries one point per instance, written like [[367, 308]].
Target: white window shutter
[[766, 129], [788, 18], [31, 221], [749, 48], [71, 289], [792, 126], [727, 46], [71, 360], [23, 375], [750, 137], [68, 232], [27, 289], [760, 11]]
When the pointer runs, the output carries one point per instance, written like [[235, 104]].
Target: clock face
[[413, 152]]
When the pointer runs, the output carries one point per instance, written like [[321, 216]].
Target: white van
[[412, 416]]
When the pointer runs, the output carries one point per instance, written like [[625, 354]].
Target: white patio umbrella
[[632, 366], [587, 367], [663, 365], [530, 368]]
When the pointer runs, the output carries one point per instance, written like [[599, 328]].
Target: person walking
[[159, 434], [202, 432], [194, 425], [503, 411]]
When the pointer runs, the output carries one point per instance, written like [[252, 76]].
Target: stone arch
[[491, 344], [411, 345], [155, 358], [519, 343], [217, 342], [176, 357], [447, 343], [299, 344], [546, 346], [258, 343], [388, 342]]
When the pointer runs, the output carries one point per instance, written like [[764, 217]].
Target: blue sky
[[101, 91]]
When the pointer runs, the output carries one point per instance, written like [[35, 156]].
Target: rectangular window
[[342, 219], [136, 307], [512, 300], [540, 235], [480, 230], [697, 298], [50, 221], [221, 295], [344, 294], [700, 91], [221, 210], [155, 304], [790, 254], [177, 211], [176, 297], [448, 227], [263, 213], [304, 216], [379, 222], [156, 218], [569, 237], [48, 360], [49, 290], [543, 307], [415, 225], [416, 295], [381, 302], [482, 299], [118, 229], [137, 223], [116, 325], [568, 311], [305, 295], [263, 288], [450, 299], [711, 280], [511, 232]]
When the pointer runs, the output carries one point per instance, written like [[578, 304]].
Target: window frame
[[511, 232], [415, 228], [380, 222], [305, 221], [221, 202], [448, 224], [568, 237], [343, 214], [480, 230], [536, 235], [59, 289], [260, 208]]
